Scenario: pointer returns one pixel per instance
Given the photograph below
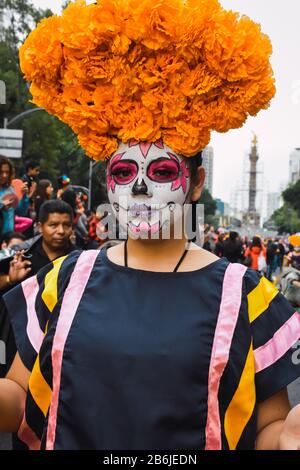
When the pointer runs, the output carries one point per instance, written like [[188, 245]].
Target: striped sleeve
[[275, 329], [31, 303]]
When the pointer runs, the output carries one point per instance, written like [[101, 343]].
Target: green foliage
[[46, 139], [210, 204], [286, 219], [292, 196], [210, 207]]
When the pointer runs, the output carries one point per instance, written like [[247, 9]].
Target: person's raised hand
[[19, 268]]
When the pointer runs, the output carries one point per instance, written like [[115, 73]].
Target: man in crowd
[[55, 226]]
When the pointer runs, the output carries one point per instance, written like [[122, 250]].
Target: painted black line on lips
[[141, 208]]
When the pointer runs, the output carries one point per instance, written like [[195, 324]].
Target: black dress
[[133, 359]]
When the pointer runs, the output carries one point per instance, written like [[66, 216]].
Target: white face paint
[[145, 183]]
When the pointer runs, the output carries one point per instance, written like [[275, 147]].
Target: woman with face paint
[[150, 187], [153, 343]]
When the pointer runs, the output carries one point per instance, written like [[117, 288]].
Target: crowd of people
[[38, 225], [22, 224], [21, 200], [266, 255]]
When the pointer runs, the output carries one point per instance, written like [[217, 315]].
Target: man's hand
[[290, 436], [19, 268]]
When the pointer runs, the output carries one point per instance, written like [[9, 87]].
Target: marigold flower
[[146, 70]]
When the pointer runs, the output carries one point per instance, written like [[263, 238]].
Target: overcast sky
[[278, 128]]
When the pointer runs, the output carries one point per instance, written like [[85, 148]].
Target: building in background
[[274, 202], [208, 163], [253, 216], [223, 208], [294, 175]]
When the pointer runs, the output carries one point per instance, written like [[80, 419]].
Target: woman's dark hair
[[30, 165], [11, 235], [195, 162], [233, 236], [42, 189], [256, 241], [54, 207], [5, 161]]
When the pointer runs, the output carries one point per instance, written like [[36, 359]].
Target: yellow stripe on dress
[[242, 404], [260, 298], [49, 294], [39, 388]]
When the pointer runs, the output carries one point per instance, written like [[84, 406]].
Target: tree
[[20, 18], [286, 219], [209, 203], [292, 196], [46, 140]]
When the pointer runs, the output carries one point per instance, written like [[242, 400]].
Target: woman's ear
[[198, 184]]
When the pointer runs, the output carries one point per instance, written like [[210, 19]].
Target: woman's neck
[[154, 253]]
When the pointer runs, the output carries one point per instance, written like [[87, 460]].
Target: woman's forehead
[[143, 151]]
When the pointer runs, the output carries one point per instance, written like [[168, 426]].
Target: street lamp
[[20, 116], [33, 110]]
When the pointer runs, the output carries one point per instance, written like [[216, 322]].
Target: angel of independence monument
[[252, 217]]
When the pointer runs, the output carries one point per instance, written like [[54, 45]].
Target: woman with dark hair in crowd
[[43, 194], [254, 251], [233, 248], [219, 248], [9, 204]]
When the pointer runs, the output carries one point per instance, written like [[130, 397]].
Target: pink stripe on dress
[[70, 303], [35, 334], [26, 435], [227, 319], [281, 342]]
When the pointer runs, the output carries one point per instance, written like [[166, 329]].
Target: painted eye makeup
[[163, 171], [124, 172]]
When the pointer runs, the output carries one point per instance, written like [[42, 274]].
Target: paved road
[[294, 395]]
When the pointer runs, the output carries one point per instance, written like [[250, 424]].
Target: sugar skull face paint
[[145, 182]]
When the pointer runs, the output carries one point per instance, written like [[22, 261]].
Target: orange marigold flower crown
[[146, 70]]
